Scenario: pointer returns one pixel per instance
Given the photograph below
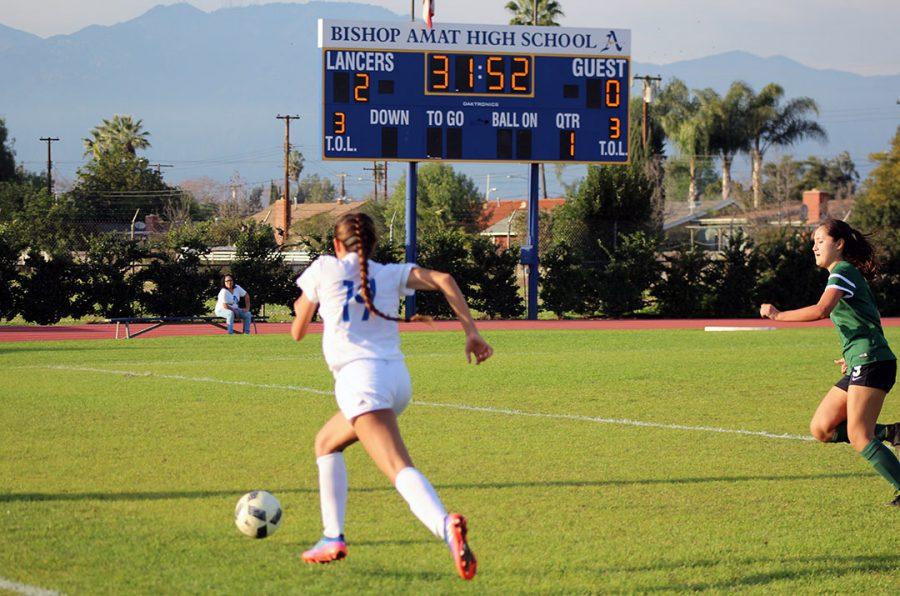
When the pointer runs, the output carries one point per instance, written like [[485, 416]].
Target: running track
[[102, 331]]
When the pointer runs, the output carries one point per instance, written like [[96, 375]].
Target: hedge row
[[636, 278], [117, 277]]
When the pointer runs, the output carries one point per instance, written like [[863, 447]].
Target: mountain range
[[209, 85]]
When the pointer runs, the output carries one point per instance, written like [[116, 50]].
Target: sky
[[853, 35]]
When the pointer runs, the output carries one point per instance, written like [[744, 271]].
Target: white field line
[[12, 586], [462, 407], [128, 373]]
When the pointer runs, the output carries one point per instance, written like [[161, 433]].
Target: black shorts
[[877, 375]]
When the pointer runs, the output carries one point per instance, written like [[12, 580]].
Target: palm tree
[[686, 123], [522, 11], [727, 117], [121, 133], [771, 123]]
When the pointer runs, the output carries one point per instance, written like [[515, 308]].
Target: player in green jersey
[[849, 411]]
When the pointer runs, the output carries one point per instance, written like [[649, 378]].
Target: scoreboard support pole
[[412, 182], [532, 255]]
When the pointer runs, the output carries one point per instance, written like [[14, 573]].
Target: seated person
[[228, 304]]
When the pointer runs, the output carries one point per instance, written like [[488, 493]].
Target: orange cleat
[[456, 540], [326, 550]]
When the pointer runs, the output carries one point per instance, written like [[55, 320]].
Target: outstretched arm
[[430, 280], [829, 299], [303, 314]]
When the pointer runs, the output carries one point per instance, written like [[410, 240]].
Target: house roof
[[678, 213], [497, 214], [302, 211]]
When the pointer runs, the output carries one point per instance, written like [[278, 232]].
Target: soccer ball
[[258, 514]]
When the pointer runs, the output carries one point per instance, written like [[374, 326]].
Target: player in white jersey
[[362, 348]]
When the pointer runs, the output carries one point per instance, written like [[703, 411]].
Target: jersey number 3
[[349, 285]]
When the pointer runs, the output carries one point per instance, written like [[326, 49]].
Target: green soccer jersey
[[856, 318]]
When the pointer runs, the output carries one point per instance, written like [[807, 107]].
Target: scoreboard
[[399, 91]]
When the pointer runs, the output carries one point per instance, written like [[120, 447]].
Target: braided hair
[[857, 249], [356, 231]]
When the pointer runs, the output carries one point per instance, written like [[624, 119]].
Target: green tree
[[46, 223], [609, 201], [497, 293], [727, 119], [48, 287], [522, 12], [445, 198], [296, 161], [109, 287], [774, 122], [445, 249], [878, 206], [686, 123], [782, 181], [677, 179], [176, 281], [7, 155], [10, 279], [631, 270], [788, 276], [260, 269], [731, 279], [117, 183], [121, 133], [313, 189], [877, 211], [563, 281], [680, 290], [836, 175]]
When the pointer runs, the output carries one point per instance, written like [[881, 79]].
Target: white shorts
[[363, 386]]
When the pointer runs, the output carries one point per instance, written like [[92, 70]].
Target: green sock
[[884, 461], [840, 433]]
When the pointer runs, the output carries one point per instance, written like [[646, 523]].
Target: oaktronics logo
[[612, 40]]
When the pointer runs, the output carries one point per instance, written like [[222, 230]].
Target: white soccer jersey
[[351, 331]]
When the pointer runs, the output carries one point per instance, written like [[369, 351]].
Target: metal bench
[[155, 322]]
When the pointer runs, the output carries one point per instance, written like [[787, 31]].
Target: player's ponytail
[[356, 231], [857, 248]]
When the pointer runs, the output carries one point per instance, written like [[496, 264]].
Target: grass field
[[121, 462]]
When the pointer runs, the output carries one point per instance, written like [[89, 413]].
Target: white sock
[[422, 500], [332, 492]]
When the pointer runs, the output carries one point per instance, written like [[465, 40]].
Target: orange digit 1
[[613, 93], [499, 75], [471, 73], [520, 74], [615, 128], [361, 89], [443, 72], [572, 144], [340, 123]]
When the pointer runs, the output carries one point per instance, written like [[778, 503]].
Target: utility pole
[[412, 10], [376, 170], [287, 181], [534, 13], [343, 195], [385, 180], [648, 97], [49, 140], [160, 166]]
